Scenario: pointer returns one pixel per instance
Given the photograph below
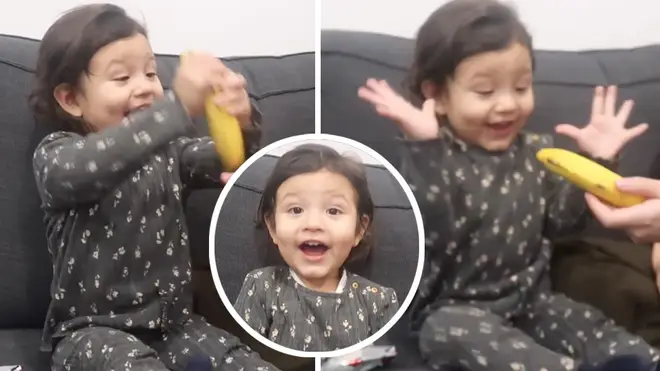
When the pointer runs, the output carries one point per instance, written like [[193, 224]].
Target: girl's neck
[[465, 143], [334, 283]]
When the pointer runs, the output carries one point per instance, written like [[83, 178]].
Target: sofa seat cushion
[[21, 347]]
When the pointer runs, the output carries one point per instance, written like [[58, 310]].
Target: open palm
[[606, 132], [415, 123]]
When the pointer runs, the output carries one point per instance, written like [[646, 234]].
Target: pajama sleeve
[[423, 167], [200, 163], [71, 169], [426, 167], [385, 306], [251, 302]]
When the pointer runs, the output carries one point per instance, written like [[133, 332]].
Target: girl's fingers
[[568, 130], [624, 111], [224, 177], [381, 87], [597, 102], [370, 96], [635, 131], [428, 107], [610, 101]]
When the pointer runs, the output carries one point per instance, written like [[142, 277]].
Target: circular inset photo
[[317, 246]]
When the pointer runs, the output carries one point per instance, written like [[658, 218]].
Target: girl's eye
[[151, 75], [121, 78], [485, 93], [296, 210], [334, 211]]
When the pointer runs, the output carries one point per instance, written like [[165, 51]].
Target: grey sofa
[[564, 84], [284, 89]]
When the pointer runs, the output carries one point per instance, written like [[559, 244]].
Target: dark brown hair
[[310, 158], [458, 30], [66, 51]]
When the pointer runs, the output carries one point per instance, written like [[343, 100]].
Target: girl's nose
[[505, 103], [313, 221], [144, 87]]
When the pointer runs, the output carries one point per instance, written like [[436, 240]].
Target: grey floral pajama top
[[115, 220], [484, 301], [489, 219], [275, 304]]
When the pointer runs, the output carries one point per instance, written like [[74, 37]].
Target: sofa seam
[[379, 206], [536, 81], [252, 95]]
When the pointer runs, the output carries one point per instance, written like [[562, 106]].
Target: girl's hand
[[416, 124], [233, 97], [195, 80], [606, 133], [224, 177]]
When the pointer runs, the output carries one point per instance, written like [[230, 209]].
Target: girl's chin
[[499, 144], [307, 272]]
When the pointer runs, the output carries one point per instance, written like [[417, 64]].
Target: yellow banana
[[588, 175], [226, 133]]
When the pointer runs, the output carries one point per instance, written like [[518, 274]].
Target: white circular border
[[420, 232]]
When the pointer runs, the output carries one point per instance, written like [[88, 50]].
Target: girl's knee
[[444, 328]]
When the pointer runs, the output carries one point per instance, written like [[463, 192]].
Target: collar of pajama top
[[338, 290], [450, 133]]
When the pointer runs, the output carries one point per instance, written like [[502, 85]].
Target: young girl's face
[[489, 98], [122, 79], [315, 226]]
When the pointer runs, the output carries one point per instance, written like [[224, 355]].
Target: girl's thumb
[[224, 177], [429, 107]]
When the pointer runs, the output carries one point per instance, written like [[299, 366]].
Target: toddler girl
[[491, 210], [318, 211], [111, 181]]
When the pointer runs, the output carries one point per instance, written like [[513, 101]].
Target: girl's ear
[[270, 224], [431, 90], [66, 97], [361, 230]]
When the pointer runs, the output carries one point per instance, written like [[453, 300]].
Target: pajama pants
[[553, 334], [106, 349]]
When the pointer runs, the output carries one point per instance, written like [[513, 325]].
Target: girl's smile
[[315, 226]]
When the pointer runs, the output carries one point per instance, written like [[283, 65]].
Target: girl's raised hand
[[195, 80], [606, 132], [416, 124], [234, 98]]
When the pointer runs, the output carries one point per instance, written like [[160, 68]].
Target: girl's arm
[[251, 303], [71, 169], [387, 305], [426, 167], [200, 163]]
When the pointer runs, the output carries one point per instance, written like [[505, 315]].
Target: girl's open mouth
[[136, 109], [503, 128], [313, 249]]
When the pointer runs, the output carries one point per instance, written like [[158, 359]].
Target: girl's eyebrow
[[113, 63], [289, 195], [341, 195], [150, 57]]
